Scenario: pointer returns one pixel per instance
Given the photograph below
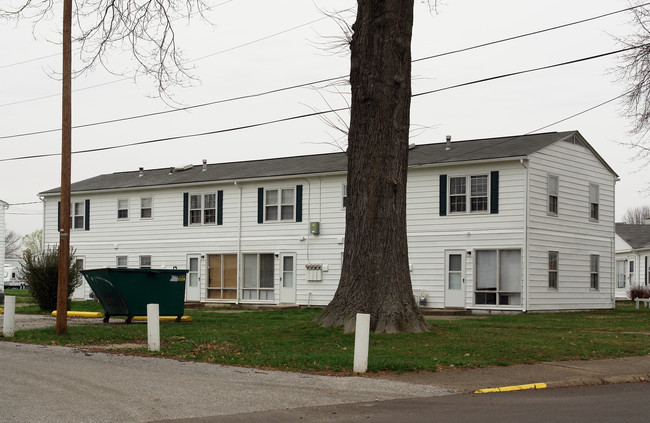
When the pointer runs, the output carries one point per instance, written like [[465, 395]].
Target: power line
[[506, 75], [243, 97], [291, 118], [189, 61], [528, 34], [299, 85]]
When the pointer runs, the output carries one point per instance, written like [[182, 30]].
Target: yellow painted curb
[[165, 318], [81, 313], [512, 388]]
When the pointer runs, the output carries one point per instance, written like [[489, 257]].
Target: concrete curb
[[569, 383]]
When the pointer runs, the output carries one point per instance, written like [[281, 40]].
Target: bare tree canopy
[[146, 28], [12, 244], [634, 73], [637, 215]]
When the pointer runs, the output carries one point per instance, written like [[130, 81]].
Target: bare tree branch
[[637, 215], [145, 28]]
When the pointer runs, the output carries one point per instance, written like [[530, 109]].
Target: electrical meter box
[[314, 228]]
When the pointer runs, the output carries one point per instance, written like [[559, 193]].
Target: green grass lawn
[[290, 340]]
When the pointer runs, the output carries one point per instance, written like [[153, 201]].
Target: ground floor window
[[620, 274], [498, 277], [222, 277], [594, 270], [258, 277]]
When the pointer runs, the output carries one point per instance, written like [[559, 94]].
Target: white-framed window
[[553, 260], [146, 207], [553, 189], [203, 209], [344, 195], [631, 272], [78, 215], [474, 199], [498, 277], [123, 261], [122, 209], [145, 262], [279, 204], [258, 277], [593, 201], [594, 265], [620, 274]]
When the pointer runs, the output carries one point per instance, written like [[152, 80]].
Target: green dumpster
[[126, 292]]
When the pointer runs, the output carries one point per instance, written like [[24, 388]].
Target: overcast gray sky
[[256, 46]]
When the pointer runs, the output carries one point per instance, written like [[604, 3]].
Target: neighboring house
[[632, 257], [502, 224]]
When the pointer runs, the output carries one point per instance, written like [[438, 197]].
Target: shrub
[[41, 271], [638, 291]]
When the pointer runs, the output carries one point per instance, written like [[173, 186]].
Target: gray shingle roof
[[638, 236], [427, 154]]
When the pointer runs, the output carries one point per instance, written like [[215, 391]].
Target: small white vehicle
[[12, 278]]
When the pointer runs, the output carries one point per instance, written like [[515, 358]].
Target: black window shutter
[[298, 203], [646, 271], [260, 205], [87, 222], [443, 195], [494, 192], [219, 207], [186, 201], [58, 217]]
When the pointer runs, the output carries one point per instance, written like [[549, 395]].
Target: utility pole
[[66, 153]]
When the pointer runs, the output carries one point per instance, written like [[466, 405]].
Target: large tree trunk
[[375, 278]]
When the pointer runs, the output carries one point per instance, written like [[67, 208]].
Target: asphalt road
[[622, 403], [55, 384]]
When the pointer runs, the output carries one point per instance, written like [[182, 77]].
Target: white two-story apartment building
[[514, 223]]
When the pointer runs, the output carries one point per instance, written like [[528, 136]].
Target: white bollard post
[[153, 327], [10, 316], [361, 340]]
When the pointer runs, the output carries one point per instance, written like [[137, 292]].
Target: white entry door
[[455, 279], [288, 278], [192, 288]]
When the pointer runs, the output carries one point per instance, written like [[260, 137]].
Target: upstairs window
[[78, 215], [477, 197], [593, 201], [553, 188], [279, 204], [345, 195], [146, 208], [203, 209], [122, 209]]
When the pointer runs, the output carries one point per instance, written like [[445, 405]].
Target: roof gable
[[501, 148]]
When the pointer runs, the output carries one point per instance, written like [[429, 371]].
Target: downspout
[[524, 163], [239, 244]]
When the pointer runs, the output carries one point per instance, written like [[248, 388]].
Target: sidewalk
[[553, 374]]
